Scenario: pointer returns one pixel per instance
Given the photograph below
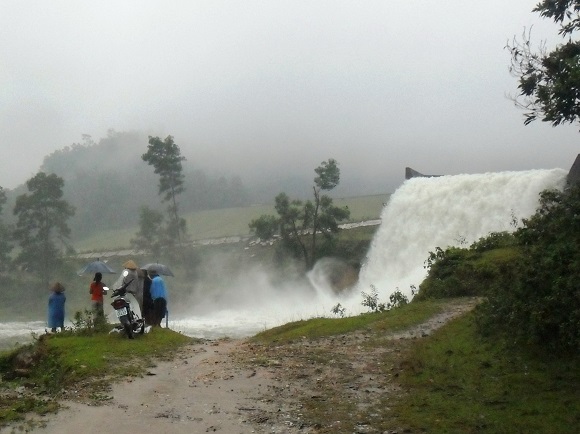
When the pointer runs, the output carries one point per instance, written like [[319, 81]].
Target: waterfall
[[425, 213]]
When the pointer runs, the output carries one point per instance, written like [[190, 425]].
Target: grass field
[[227, 222]]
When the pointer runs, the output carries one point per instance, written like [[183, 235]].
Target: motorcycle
[[131, 323]]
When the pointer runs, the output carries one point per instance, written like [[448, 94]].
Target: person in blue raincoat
[[159, 297], [56, 302]]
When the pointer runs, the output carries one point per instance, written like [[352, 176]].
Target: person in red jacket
[[97, 289]]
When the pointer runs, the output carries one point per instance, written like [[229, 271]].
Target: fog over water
[[424, 213]]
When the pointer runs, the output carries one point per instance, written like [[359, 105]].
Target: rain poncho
[[56, 310]]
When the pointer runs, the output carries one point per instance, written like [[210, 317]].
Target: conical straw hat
[[57, 287], [130, 264]]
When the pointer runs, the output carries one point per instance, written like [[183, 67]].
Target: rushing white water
[[18, 333], [424, 213]]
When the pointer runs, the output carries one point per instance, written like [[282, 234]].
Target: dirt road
[[205, 388]]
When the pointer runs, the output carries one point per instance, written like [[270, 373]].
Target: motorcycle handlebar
[[122, 290]]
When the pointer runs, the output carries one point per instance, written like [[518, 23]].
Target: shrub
[[338, 310], [87, 322], [460, 272], [541, 303], [494, 240], [371, 300], [397, 299]]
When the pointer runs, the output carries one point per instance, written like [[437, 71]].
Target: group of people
[[152, 301]]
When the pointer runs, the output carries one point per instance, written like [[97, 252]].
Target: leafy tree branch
[[549, 82]]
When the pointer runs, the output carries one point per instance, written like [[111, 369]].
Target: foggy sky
[[254, 87]]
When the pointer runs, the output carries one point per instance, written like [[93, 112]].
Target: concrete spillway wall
[[574, 174]]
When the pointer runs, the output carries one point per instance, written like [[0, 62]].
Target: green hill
[[226, 222]]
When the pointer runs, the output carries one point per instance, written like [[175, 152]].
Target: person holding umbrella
[[97, 289], [158, 295]]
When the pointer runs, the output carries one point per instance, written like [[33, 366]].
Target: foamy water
[[424, 213], [17, 333]]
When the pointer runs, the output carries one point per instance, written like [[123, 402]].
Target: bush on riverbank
[[529, 279]]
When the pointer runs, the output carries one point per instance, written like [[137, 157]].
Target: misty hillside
[[107, 182]]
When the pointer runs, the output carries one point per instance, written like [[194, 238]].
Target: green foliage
[[371, 300], [297, 219], [397, 299], [165, 156], [549, 82], [540, 305], [338, 310], [107, 184], [87, 323], [265, 226], [294, 223], [457, 382], [381, 322], [62, 359], [156, 236], [529, 279], [328, 175], [42, 222], [494, 240], [456, 272], [151, 234]]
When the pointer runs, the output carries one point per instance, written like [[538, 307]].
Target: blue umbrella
[[97, 266]]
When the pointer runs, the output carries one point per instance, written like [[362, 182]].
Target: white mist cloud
[[245, 300]]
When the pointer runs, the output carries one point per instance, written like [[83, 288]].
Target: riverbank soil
[[238, 387]]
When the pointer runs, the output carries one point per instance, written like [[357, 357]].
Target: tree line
[[41, 233], [299, 223], [108, 184]]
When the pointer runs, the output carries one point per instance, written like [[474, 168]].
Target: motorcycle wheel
[[127, 326]]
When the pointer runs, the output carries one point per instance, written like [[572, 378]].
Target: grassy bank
[[351, 375], [373, 373], [458, 382], [75, 365]]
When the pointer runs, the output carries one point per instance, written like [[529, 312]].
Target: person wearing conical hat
[[130, 265], [56, 302], [133, 277]]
